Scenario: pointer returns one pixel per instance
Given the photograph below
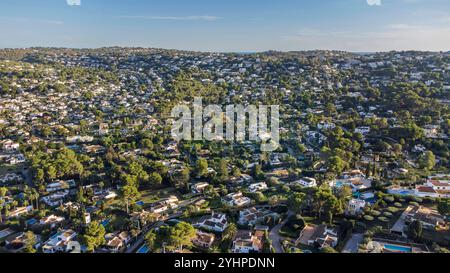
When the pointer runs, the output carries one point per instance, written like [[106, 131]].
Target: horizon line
[[249, 52]]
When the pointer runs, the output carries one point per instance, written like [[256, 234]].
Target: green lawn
[[152, 196], [312, 220]]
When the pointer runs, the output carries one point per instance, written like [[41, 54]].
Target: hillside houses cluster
[[86, 139]]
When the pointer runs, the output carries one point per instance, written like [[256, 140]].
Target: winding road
[[274, 234]]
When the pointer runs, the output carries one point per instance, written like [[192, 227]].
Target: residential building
[[203, 240], [248, 242], [319, 236], [236, 200], [306, 182], [59, 241], [355, 207], [258, 187], [215, 222]]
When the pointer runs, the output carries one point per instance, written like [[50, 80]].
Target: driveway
[[353, 243], [275, 237]]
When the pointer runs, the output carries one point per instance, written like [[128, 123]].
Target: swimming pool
[[106, 222], [31, 222], [140, 203], [143, 250], [397, 248], [401, 192], [339, 184]]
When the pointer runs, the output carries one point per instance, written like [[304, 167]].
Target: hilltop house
[[17, 241], [164, 205], [19, 211], [59, 241], [355, 207], [436, 187], [236, 200], [253, 216], [199, 187], [203, 240], [116, 241], [429, 218], [60, 185], [9, 145], [215, 222], [248, 242], [320, 236], [258, 187], [51, 220], [306, 182], [10, 177]]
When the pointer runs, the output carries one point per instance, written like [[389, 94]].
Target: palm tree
[[150, 239], [3, 192], [34, 195], [1, 209], [230, 232]]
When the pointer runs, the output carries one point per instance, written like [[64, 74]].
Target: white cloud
[[174, 18], [73, 2], [32, 20], [374, 2], [400, 26]]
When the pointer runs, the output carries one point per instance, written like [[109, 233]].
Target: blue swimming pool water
[[31, 222], [106, 222], [397, 248], [339, 184], [140, 203], [143, 250]]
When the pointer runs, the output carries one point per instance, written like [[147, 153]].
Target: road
[[353, 243], [274, 234], [141, 237], [140, 240]]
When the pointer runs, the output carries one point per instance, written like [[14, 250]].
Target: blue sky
[[228, 25]]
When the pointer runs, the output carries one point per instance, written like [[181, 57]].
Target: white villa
[[215, 222], [258, 187], [355, 207], [236, 200], [59, 241], [247, 242], [199, 187], [306, 182]]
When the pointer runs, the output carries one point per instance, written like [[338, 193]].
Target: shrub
[[375, 213], [383, 219], [368, 218], [392, 209], [398, 205], [361, 225], [387, 214]]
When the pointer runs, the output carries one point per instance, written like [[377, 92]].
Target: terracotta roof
[[426, 189]]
